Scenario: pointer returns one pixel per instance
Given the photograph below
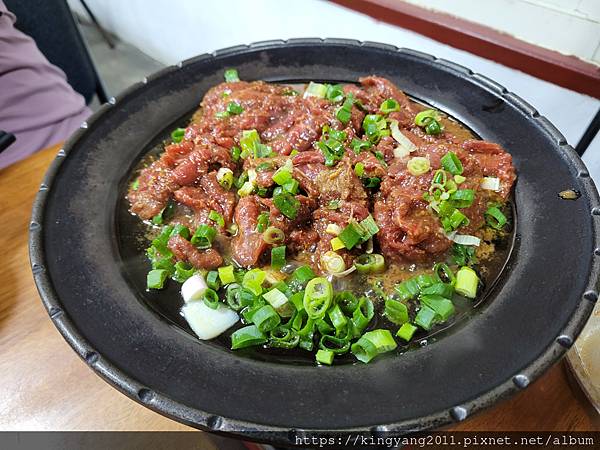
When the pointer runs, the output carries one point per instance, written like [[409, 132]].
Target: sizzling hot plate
[[531, 316]]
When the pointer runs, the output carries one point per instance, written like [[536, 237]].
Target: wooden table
[[45, 386]]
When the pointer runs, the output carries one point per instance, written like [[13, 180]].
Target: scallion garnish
[[262, 222], [317, 297], [226, 274], [212, 280], [389, 105], [324, 357], [278, 257], [418, 165], [231, 75], [344, 112], [406, 331], [211, 298], [266, 318], [451, 163], [335, 93], [396, 312], [495, 218], [203, 237], [287, 204], [467, 282], [156, 279], [247, 337], [373, 343], [370, 263], [177, 135], [273, 235], [234, 108], [253, 280], [217, 218]]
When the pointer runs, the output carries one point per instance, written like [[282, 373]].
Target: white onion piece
[[206, 322], [193, 288], [401, 138], [464, 239], [345, 272], [491, 184], [401, 152], [333, 228]]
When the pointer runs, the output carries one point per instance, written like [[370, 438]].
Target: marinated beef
[[329, 193]]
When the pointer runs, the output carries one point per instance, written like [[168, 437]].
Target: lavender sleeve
[[37, 104]]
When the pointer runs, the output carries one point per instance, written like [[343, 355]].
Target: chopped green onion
[[426, 318], [253, 280], [249, 141], [136, 184], [204, 236], [444, 273], [463, 198], [276, 298], [463, 255], [283, 174], [346, 300], [351, 235], [443, 289], [226, 275], [235, 153], [418, 165], [396, 312], [231, 75], [359, 169], [374, 126], [278, 257], [425, 280], [495, 218], [212, 280], [344, 112], [183, 271], [287, 204], [424, 117], [337, 317], [335, 93], [370, 263], [291, 186], [317, 297], [406, 331], [370, 227], [408, 289], [225, 177], [458, 179], [303, 274], [451, 163], [372, 182], [234, 108], [358, 145], [156, 279], [273, 235], [439, 177], [334, 344], [467, 282], [177, 135], [389, 105], [246, 189], [454, 220], [238, 298], [266, 318], [217, 218], [247, 337], [315, 90], [211, 298], [283, 337], [433, 127], [262, 222], [373, 343], [443, 307], [324, 357], [362, 315]]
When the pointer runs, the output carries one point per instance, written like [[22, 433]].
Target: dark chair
[[53, 28]]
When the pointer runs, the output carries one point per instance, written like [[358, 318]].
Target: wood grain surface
[[45, 386]]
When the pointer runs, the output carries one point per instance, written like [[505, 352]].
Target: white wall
[[571, 27]]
